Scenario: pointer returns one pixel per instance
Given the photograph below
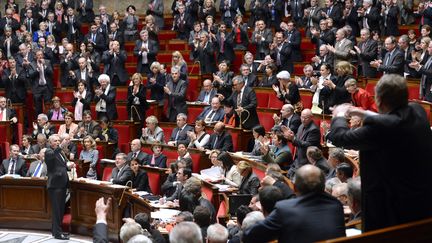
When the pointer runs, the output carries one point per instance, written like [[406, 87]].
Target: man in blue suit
[[212, 113]]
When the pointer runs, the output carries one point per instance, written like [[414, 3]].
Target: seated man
[[42, 126], [122, 173], [305, 81], [179, 134], [288, 118], [344, 171], [183, 174], [283, 223], [38, 168], [15, 165], [336, 157], [278, 153], [69, 148], [213, 113], [41, 143], [354, 198], [207, 93], [220, 139], [315, 157], [88, 126], [136, 152]]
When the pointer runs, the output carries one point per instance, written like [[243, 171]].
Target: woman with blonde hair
[[136, 100], [90, 155], [179, 62], [152, 133], [156, 82]]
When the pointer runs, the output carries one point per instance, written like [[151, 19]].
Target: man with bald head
[[288, 118], [220, 139], [136, 152], [212, 113], [313, 216], [308, 134], [207, 92]]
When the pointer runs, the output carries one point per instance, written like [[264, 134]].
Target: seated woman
[[199, 138], [69, 126], [287, 91], [269, 78], [109, 134], [360, 97], [230, 116], [213, 158], [152, 133], [57, 112], [26, 148], [140, 179], [250, 182], [230, 170], [157, 159], [90, 154], [278, 153], [258, 132]]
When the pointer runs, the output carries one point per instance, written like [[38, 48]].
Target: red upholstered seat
[[260, 173], [208, 193], [122, 112], [306, 98], [124, 134], [4, 148], [195, 163], [66, 95], [154, 182], [106, 176], [262, 99], [266, 120], [193, 113], [235, 139], [222, 211], [274, 102], [121, 94]]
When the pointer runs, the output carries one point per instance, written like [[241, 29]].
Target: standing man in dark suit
[[426, 78], [295, 220], [393, 61], [367, 51], [85, 10], [204, 52], [54, 27], [370, 16], [296, 7], [245, 103], [281, 51], [9, 21], [96, 38], [323, 36], [114, 61], [224, 44], [136, 152], [41, 74], [351, 17], [312, 17], [308, 134], [9, 43], [332, 11], [145, 50], [57, 184], [72, 23], [293, 37], [115, 35], [228, 10], [179, 134], [175, 91], [392, 191], [105, 99], [14, 79], [248, 77], [15, 165], [122, 173], [68, 63], [220, 139]]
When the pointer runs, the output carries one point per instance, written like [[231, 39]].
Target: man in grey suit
[[15, 165], [175, 91], [342, 48], [156, 9], [262, 37], [179, 134], [38, 168], [122, 173], [393, 62], [367, 51]]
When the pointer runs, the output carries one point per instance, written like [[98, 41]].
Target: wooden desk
[[83, 199], [24, 204], [5, 131]]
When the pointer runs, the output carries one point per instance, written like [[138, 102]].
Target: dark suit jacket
[[100, 233], [13, 47], [94, 129], [202, 94], [56, 29], [160, 161], [141, 181], [206, 57], [305, 137], [48, 132], [115, 65], [153, 49], [294, 123], [373, 19], [182, 137], [99, 43], [85, 100], [249, 184], [13, 23], [248, 102], [217, 117], [228, 47], [111, 107], [392, 22], [156, 89], [326, 37], [125, 175], [177, 99], [223, 142], [307, 218], [34, 75], [353, 20], [232, 9], [142, 107], [389, 186], [56, 169], [142, 157], [369, 53], [251, 79], [262, 46], [20, 167], [15, 86], [294, 41], [426, 82], [395, 64]]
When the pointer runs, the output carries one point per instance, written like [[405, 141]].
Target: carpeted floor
[[24, 236]]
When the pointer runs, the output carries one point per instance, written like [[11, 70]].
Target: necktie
[[215, 142], [222, 42], [178, 134], [388, 58], [153, 161], [239, 99], [329, 11], [1, 114], [209, 117], [94, 38], [12, 167], [38, 170], [135, 155]]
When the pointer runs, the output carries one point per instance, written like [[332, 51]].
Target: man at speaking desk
[[58, 182]]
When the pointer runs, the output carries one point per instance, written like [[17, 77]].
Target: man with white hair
[[38, 168], [217, 233], [105, 98], [186, 232], [58, 182], [175, 91], [42, 126], [136, 152]]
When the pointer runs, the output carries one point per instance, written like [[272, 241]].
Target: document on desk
[[108, 161], [222, 187], [164, 214], [212, 173]]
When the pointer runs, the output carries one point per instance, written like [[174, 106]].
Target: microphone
[[121, 197]]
